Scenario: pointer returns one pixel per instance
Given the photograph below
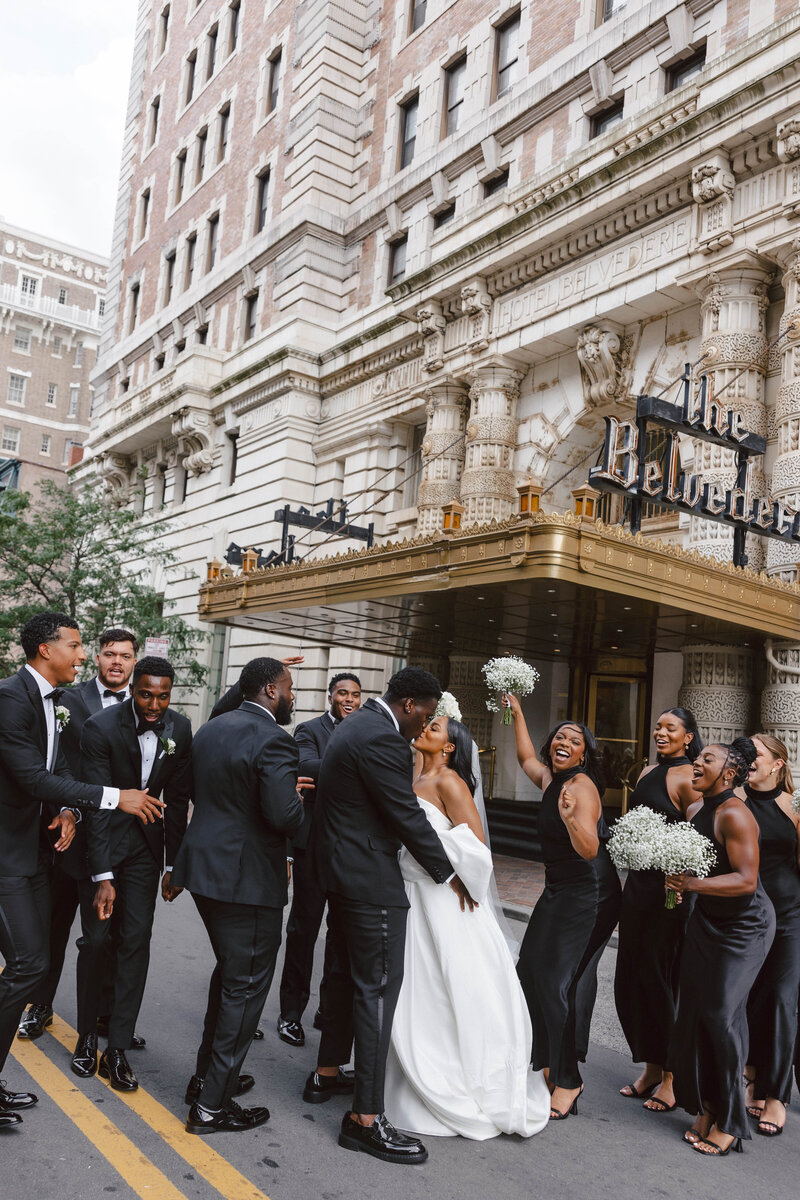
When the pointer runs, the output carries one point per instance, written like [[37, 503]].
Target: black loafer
[[137, 1043], [258, 1036], [291, 1032], [7, 1119], [12, 1100], [115, 1067], [195, 1087], [84, 1060], [35, 1021], [318, 1019], [320, 1088], [381, 1140], [232, 1119]]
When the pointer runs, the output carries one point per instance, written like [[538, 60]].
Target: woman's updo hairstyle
[[689, 723], [741, 754]]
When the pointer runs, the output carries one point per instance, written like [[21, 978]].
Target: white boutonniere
[[62, 716], [168, 745]]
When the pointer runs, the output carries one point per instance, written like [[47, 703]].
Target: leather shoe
[[321, 1087], [195, 1087], [381, 1140], [84, 1060], [291, 1032], [137, 1043], [7, 1119], [115, 1067], [258, 1036], [11, 1100], [35, 1021], [318, 1019], [231, 1119]]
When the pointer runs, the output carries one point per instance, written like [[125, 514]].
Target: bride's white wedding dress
[[459, 1061]]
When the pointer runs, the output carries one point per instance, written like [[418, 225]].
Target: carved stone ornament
[[432, 325], [710, 181], [712, 189], [476, 304], [788, 140], [599, 356], [193, 429], [114, 471]]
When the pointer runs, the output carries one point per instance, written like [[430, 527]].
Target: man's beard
[[283, 712]]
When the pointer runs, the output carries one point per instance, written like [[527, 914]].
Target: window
[[496, 185], [416, 15], [46, 442], [180, 175], [191, 246], [169, 276], [79, 354], [57, 347], [10, 440], [222, 139], [397, 260], [211, 244], [274, 81], [603, 121], [16, 389], [681, 72], [101, 308], [202, 141], [28, 289], [163, 29], [22, 339], [134, 310], [211, 50], [262, 200], [250, 317], [155, 108], [73, 400], [233, 25], [191, 70], [507, 54], [144, 212], [443, 217], [62, 295], [611, 8], [408, 130], [51, 393], [454, 79]]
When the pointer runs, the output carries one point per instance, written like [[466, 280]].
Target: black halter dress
[[572, 920], [650, 940], [727, 941], [772, 1007]]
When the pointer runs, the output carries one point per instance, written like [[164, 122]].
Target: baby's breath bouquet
[[636, 839], [796, 800], [448, 707], [508, 674], [683, 848]]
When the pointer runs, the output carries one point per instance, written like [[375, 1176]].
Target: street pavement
[[85, 1142]]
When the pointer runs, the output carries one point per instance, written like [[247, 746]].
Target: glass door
[[616, 715]]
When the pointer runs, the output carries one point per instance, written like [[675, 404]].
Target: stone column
[[783, 558], [718, 688], [733, 305], [780, 699], [488, 490], [442, 452]]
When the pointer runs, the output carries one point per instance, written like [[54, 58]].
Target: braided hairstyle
[[740, 754]]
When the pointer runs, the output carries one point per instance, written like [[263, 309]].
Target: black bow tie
[[118, 696], [143, 726], [55, 695]]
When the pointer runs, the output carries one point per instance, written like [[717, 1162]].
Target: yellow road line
[[215, 1169], [127, 1160]]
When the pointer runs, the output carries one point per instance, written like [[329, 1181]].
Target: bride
[[459, 1060]]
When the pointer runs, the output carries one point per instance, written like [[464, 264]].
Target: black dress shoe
[[318, 1019], [195, 1087], [232, 1119], [35, 1021], [321, 1087], [84, 1060], [137, 1042], [258, 1036], [7, 1119], [11, 1100], [291, 1032], [381, 1140], [115, 1067]]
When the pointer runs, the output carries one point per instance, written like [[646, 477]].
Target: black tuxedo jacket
[[110, 750], [366, 809], [229, 702], [83, 701], [245, 806], [312, 739], [28, 790]]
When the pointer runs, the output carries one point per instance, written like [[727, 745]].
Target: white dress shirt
[[107, 701], [383, 704], [149, 746]]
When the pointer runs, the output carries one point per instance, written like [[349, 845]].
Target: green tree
[[65, 550]]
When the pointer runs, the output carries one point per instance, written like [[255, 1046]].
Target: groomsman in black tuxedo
[[230, 700], [115, 661], [233, 861], [366, 811], [38, 794], [308, 897], [144, 742]]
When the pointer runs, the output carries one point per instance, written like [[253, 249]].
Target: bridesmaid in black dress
[[650, 935], [579, 907], [772, 1007], [727, 941]]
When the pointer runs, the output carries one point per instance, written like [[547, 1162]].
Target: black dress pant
[[127, 933], [63, 907], [302, 931], [24, 944], [364, 954], [245, 939]]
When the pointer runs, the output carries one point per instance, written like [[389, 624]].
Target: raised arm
[[536, 771]]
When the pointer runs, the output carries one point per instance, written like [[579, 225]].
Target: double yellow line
[[142, 1175]]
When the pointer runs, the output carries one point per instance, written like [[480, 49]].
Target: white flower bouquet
[[796, 800], [448, 707], [684, 849], [508, 674], [643, 840]]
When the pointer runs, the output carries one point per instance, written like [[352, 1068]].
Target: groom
[[366, 809]]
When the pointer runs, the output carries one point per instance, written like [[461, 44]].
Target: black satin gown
[[727, 941], [772, 1007], [572, 920], [650, 940]]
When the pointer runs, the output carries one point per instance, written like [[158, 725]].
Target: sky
[[64, 71]]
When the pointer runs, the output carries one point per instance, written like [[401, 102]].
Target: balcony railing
[[47, 306]]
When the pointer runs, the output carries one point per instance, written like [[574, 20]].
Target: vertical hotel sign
[[625, 469]]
